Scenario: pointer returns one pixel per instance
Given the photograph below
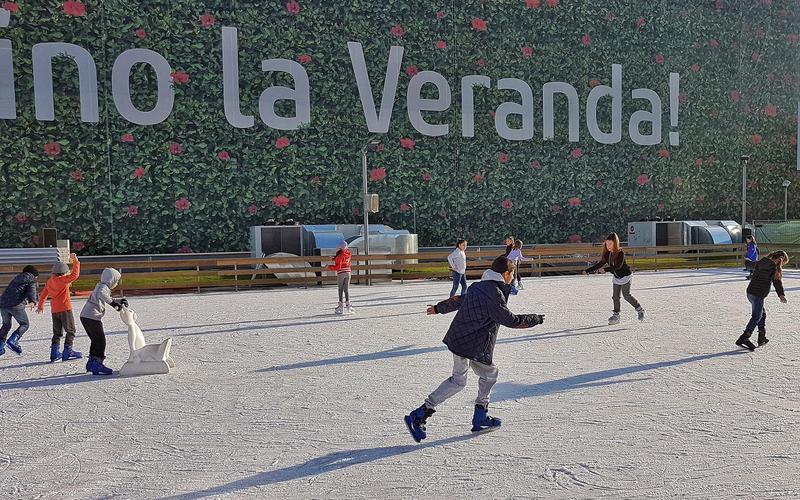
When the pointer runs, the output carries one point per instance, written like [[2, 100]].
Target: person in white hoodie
[[458, 264], [91, 316]]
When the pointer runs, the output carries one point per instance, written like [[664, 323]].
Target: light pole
[[366, 204], [786, 185], [414, 214], [745, 159]]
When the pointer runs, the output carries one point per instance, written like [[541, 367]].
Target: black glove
[[123, 301], [116, 305], [538, 319]]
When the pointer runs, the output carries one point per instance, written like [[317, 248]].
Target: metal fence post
[[236, 276]]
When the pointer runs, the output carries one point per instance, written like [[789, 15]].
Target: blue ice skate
[[54, 353], [481, 420], [97, 367], [13, 343], [2, 347], [69, 353], [415, 421]]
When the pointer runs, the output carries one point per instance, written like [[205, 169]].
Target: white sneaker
[[614, 319], [349, 309]]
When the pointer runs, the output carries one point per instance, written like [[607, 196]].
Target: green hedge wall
[[112, 192]]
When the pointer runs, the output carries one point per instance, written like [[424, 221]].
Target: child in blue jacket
[[471, 339], [750, 255], [19, 293]]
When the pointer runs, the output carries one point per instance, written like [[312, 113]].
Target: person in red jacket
[[57, 288], [341, 264]]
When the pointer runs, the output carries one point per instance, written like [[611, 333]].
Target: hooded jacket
[[341, 263], [21, 290], [763, 278], [57, 288], [481, 311], [95, 306]]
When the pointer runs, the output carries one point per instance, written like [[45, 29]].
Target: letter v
[[376, 123]]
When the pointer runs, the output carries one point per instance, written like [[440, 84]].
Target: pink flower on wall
[[642, 179], [140, 33], [481, 63], [21, 218], [377, 174], [661, 206], [574, 238], [609, 16], [527, 52], [252, 209], [682, 98], [440, 14], [695, 67], [533, 4], [756, 57], [411, 71], [793, 38], [179, 77], [127, 138], [586, 40], [478, 24], [659, 58], [698, 162], [315, 179], [183, 204], [478, 177], [664, 153], [442, 213], [76, 175], [536, 164], [175, 148], [576, 153], [282, 142], [574, 201], [280, 201], [771, 110], [713, 43], [426, 177], [735, 95], [206, 20], [757, 139], [719, 4], [184, 249], [74, 8], [641, 22], [52, 149], [293, 8], [502, 157], [594, 82], [407, 143], [11, 6], [552, 3], [304, 58], [404, 207], [441, 44], [507, 204], [138, 173], [224, 155], [78, 246], [677, 181], [397, 31], [133, 211]]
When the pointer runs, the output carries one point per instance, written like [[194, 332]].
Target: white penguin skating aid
[[145, 359]]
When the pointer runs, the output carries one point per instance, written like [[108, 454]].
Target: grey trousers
[[63, 321], [487, 376], [343, 280], [626, 292]]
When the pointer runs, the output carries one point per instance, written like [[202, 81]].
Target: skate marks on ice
[[594, 477], [505, 391], [320, 465]]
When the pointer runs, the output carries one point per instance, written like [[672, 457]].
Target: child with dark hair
[[91, 319], [614, 258], [767, 273], [458, 265], [57, 288], [509, 243], [516, 257], [19, 293], [471, 339], [750, 255], [341, 264]]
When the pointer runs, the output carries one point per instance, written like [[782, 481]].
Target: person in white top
[[516, 257], [458, 264]]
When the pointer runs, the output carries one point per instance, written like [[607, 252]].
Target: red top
[[57, 287], [341, 264]]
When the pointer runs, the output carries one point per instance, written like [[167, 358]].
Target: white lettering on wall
[[121, 86], [43, 54], [301, 95], [376, 123], [416, 104]]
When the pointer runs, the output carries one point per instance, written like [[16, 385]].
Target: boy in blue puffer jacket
[[18, 293], [471, 339]]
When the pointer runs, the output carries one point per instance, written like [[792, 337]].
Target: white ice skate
[[339, 310], [348, 309], [144, 359]]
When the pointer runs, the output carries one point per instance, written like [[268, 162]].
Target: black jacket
[[22, 289], [616, 264], [481, 311], [763, 278]]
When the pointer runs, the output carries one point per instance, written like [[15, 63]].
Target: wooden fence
[[237, 273]]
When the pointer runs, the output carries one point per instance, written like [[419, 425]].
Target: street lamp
[[745, 159], [786, 185], [414, 214], [366, 202]]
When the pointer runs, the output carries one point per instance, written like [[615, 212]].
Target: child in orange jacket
[[341, 264], [57, 288]]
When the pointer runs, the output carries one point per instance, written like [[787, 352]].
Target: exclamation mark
[[674, 92]]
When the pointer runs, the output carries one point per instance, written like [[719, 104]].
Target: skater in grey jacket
[[92, 314]]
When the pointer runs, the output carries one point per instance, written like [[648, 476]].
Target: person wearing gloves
[[57, 288], [471, 339], [19, 293], [458, 265], [91, 319]]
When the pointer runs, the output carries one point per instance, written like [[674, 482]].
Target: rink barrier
[[176, 275]]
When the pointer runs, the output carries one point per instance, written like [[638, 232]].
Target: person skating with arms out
[[19, 293], [614, 258], [57, 288], [768, 273], [471, 339]]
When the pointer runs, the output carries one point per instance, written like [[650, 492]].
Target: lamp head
[[786, 183]]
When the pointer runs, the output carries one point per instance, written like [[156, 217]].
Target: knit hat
[[60, 268]]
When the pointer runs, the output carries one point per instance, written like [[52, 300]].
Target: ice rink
[[275, 397]]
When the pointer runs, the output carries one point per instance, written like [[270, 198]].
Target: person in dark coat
[[471, 339], [767, 273], [20, 292], [614, 258]]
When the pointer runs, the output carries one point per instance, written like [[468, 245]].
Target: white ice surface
[[275, 397]]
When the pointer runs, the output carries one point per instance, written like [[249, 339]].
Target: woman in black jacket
[[768, 273], [614, 258]]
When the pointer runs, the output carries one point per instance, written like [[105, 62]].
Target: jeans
[[626, 292], [19, 314], [63, 321], [758, 316], [487, 376], [459, 279]]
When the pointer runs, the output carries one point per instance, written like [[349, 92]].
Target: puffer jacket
[[764, 278], [21, 290], [341, 263], [481, 311], [95, 307]]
